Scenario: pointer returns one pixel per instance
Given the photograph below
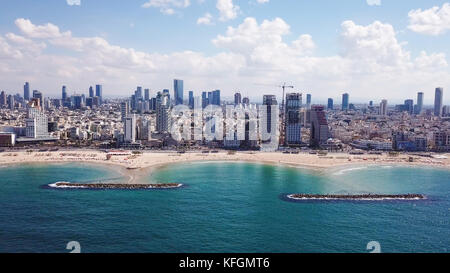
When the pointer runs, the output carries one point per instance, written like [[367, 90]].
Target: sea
[[223, 207]]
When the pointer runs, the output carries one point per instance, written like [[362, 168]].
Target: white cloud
[[433, 21], [372, 61], [167, 6], [227, 9], [262, 1], [205, 19], [73, 2], [373, 2]]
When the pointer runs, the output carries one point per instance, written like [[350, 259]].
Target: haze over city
[[382, 49]]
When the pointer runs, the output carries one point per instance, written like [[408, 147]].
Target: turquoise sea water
[[225, 207]]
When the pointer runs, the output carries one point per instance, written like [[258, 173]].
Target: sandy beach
[[135, 162]]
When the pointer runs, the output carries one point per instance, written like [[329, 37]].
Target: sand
[[135, 166]]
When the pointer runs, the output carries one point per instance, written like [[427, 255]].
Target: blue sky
[[152, 31]]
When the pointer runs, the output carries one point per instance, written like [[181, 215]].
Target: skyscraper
[[147, 94], [26, 91], [383, 108], [409, 106], [64, 93], [191, 99], [237, 98], [330, 104], [205, 101], [91, 92], [2, 98], [215, 97], [162, 112], [246, 101], [38, 95], [438, 99], [269, 100], [36, 121], [319, 126], [130, 129], [99, 93], [345, 101], [293, 126], [308, 100], [178, 91], [419, 105]]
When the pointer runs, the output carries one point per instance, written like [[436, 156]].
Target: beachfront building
[[319, 126], [162, 112], [292, 119], [130, 129], [36, 121]]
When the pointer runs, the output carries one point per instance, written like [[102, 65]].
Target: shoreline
[[136, 167]]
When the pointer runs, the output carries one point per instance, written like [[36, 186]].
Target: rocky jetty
[[104, 186], [356, 197]]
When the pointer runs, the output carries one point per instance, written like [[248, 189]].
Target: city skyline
[[381, 51]]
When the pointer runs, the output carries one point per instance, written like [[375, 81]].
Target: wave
[[344, 171]]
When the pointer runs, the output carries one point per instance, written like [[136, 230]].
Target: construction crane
[[283, 112]]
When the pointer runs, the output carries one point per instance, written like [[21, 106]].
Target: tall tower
[[438, 98], [99, 93], [26, 91], [64, 93], [345, 101], [419, 105], [237, 98], [178, 91], [383, 108], [292, 123], [130, 129]]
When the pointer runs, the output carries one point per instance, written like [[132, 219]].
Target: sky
[[371, 49]]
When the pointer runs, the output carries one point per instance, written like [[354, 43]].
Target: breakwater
[[362, 197], [105, 186]]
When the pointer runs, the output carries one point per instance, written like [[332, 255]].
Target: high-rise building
[[38, 95], [269, 100], [162, 112], [383, 108], [99, 93], [215, 97], [330, 104], [237, 98], [319, 126], [36, 121], [205, 101], [178, 91], [64, 93], [438, 99], [292, 122], [130, 129], [345, 101], [191, 99], [91, 92], [26, 91], [246, 101], [3, 98], [124, 109], [419, 106], [409, 106], [11, 102], [147, 94], [308, 100], [77, 101]]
